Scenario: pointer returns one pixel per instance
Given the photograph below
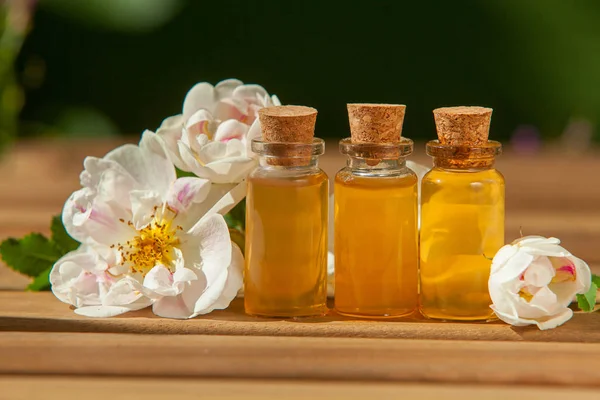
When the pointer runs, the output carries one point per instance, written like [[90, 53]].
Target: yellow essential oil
[[462, 218], [376, 245], [286, 218], [462, 226], [286, 245], [376, 237]]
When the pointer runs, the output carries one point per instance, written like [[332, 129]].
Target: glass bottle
[[376, 237], [462, 216], [286, 218]]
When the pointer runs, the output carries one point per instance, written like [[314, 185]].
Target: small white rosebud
[[534, 279]]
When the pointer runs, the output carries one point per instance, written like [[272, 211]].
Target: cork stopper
[[376, 123], [288, 124], [463, 126]]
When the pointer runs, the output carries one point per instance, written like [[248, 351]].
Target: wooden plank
[[344, 359], [11, 280], [41, 312], [72, 388]]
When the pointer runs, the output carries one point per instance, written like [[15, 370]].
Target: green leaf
[[60, 236], [236, 218], [238, 238], [183, 174], [596, 280], [41, 282], [30, 255], [587, 301]]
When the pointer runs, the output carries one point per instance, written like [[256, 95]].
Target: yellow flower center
[[153, 245], [524, 293]]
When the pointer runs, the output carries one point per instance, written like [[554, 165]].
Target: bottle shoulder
[[440, 176], [277, 176], [284, 172], [347, 176]]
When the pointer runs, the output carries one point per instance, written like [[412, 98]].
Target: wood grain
[[73, 388], [42, 312], [342, 359]]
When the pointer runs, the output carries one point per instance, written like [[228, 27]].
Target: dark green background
[[536, 62]]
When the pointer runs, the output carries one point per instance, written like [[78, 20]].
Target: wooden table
[[48, 351]]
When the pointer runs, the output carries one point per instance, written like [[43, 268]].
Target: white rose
[[211, 137], [149, 238], [533, 281]]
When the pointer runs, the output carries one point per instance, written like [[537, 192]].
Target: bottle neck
[[464, 164], [467, 158], [380, 167], [298, 157], [292, 165], [378, 159]]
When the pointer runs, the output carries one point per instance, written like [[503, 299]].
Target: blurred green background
[[116, 67]]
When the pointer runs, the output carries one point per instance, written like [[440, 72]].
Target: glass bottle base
[[374, 314], [310, 312], [441, 316]]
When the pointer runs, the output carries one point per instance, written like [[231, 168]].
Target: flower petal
[[199, 123], [550, 250], [114, 187], [583, 274], [511, 319], [171, 127], [233, 283], [192, 163], [540, 272], [229, 200], [554, 320], [78, 206], [230, 129], [201, 95], [122, 293], [143, 203], [85, 217], [211, 152], [172, 307], [168, 134], [94, 168], [209, 246], [233, 109], [534, 240], [249, 92], [211, 252], [150, 170], [254, 132], [543, 302], [160, 172], [226, 87], [502, 257], [184, 275], [182, 305], [160, 280], [186, 191], [513, 266], [220, 199], [210, 296], [66, 275], [231, 171]]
